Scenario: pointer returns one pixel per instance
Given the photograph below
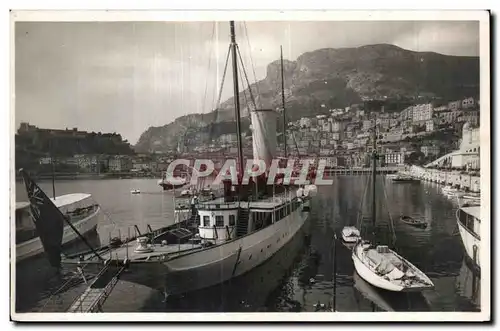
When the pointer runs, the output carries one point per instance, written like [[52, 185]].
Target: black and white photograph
[[168, 164]]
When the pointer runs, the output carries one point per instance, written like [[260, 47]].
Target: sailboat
[[381, 266], [220, 239]]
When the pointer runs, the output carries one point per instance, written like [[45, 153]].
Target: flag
[[48, 219]]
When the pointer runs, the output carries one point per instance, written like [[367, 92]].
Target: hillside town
[[418, 134]]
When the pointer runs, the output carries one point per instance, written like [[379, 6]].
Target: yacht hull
[[214, 265], [34, 247], [471, 244]]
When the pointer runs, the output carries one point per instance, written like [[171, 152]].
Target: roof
[[68, 199], [473, 211]]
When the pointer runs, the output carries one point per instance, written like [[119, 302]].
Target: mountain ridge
[[334, 78]]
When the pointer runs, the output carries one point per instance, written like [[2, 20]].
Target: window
[[206, 220], [232, 220], [219, 221]]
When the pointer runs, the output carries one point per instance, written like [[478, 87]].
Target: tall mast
[[283, 101], [374, 174], [236, 97], [53, 170]]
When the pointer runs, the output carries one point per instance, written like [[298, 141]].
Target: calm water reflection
[[300, 277]]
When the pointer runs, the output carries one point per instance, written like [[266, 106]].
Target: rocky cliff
[[331, 78]]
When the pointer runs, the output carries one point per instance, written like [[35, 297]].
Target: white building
[[305, 122], [394, 158], [468, 103], [422, 112], [429, 125], [467, 155]]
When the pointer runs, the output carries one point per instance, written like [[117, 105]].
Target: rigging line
[[361, 204], [209, 63], [242, 86], [251, 59], [246, 78], [389, 212], [210, 133]]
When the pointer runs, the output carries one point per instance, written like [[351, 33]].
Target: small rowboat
[[135, 191], [350, 234], [413, 222]]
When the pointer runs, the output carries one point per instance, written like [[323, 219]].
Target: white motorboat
[[381, 266], [448, 190], [136, 191], [469, 224], [471, 199], [80, 210], [350, 234]]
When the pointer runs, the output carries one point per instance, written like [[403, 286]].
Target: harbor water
[[301, 276]]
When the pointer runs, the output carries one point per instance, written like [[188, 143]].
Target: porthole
[[250, 257]]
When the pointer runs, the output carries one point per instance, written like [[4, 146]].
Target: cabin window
[[206, 220], [232, 220], [219, 221]]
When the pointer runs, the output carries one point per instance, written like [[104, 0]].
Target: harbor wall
[[453, 178]]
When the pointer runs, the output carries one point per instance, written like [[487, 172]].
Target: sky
[[124, 77]]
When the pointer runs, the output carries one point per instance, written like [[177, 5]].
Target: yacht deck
[[127, 251]]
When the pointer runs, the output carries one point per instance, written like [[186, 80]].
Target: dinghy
[[413, 222], [135, 191], [350, 234]]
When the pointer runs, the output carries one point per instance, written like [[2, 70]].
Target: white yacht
[[469, 223], [80, 210], [214, 241]]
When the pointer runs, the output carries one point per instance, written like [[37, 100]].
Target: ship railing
[[218, 205]]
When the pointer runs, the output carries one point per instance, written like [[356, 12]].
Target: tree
[[416, 158]]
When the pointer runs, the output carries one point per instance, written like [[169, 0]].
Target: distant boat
[[413, 222], [350, 234], [472, 199], [136, 191], [404, 179]]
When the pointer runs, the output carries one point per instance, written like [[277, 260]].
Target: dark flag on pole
[[48, 219]]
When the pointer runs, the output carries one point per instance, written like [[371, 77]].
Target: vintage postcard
[[207, 166]]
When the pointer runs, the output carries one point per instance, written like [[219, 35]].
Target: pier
[[98, 291], [456, 179], [360, 171]]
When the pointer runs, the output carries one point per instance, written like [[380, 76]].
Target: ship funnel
[[264, 135]]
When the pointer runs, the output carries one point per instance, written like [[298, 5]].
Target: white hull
[[34, 246], [350, 234], [383, 282], [470, 241], [350, 239], [218, 264], [373, 279]]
